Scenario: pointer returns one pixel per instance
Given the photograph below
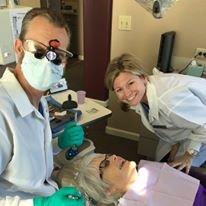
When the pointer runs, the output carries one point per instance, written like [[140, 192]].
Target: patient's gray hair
[[84, 176]]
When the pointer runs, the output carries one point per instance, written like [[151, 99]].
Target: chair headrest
[[86, 148]]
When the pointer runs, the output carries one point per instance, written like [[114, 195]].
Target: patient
[[111, 179]]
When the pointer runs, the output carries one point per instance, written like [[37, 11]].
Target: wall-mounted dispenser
[[2, 3], [10, 21]]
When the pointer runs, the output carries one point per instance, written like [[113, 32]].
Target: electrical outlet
[[124, 22], [200, 53]]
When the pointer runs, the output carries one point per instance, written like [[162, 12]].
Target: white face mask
[[41, 74]]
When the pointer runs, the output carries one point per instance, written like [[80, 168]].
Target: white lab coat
[[177, 112], [158, 184], [26, 157]]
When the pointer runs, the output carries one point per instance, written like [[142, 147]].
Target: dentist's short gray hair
[[85, 177], [123, 63], [53, 17]]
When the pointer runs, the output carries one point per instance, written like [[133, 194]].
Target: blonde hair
[[124, 63]]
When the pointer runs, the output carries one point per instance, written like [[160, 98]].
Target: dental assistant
[[173, 106], [26, 156]]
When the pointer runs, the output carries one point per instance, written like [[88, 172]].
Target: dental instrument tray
[[62, 118], [60, 115]]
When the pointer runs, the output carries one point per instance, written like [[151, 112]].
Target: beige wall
[[31, 3], [187, 18]]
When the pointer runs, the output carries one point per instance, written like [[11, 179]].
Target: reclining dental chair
[[88, 147]]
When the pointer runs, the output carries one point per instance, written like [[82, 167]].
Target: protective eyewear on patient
[[52, 52], [104, 164]]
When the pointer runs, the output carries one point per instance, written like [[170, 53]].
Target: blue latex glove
[[73, 135], [66, 196]]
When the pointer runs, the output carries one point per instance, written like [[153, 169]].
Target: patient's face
[[116, 171]]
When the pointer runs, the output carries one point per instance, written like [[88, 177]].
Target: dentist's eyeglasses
[[104, 164], [52, 52]]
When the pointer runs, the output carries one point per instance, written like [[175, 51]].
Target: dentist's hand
[[73, 135], [66, 196]]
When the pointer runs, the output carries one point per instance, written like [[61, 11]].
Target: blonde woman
[[173, 106]]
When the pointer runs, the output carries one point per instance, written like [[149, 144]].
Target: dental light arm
[[156, 7]]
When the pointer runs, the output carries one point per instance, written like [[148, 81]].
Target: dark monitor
[[165, 51]]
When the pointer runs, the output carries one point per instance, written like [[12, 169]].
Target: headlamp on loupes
[[53, 52]]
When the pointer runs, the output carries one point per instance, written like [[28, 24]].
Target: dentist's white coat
[[26, 158], [177, 113]]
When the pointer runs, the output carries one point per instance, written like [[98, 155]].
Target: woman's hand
[[182, 162], [173, 152]]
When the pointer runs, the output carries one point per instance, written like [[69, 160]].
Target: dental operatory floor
[[103, 142]]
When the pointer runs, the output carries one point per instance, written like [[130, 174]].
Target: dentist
[[173, 106], [26, 158]]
